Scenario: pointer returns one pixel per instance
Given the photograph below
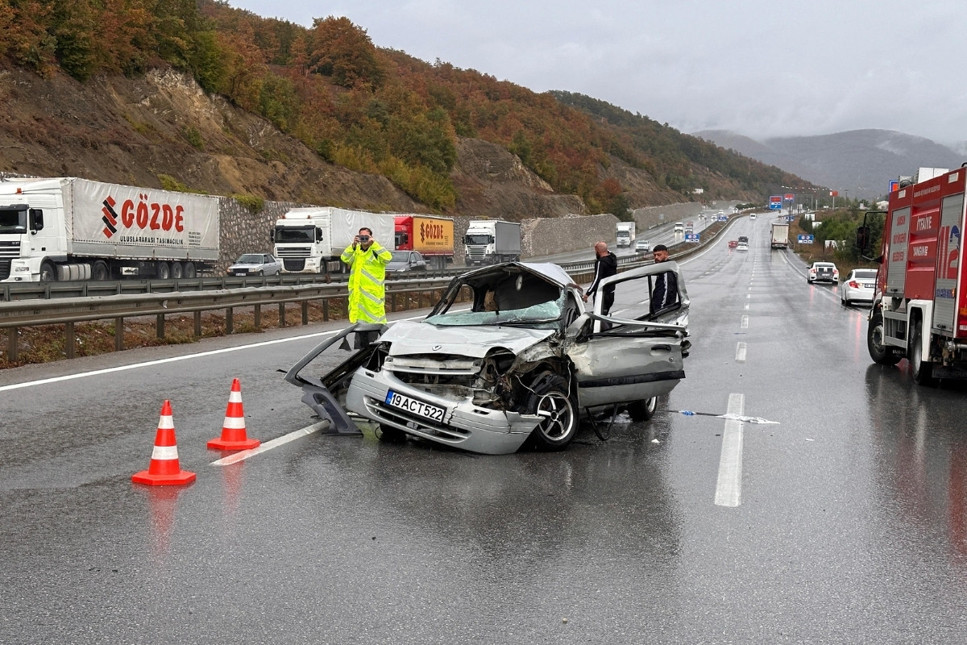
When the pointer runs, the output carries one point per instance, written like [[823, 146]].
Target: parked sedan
[[822, 272], [509, 357], [256, 264], [858, 286], [406, 261]]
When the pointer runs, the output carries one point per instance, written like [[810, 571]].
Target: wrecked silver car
[[509, 357]]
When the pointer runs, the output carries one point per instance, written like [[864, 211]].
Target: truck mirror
[[36, 220], [272, 235], [318, 234], [863, 238]]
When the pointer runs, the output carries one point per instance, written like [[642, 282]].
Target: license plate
[[414, 406]]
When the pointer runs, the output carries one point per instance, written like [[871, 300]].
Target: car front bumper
[[464, 425]]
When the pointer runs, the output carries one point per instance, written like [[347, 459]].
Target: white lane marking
[[740, 350], [269, 445], [745, 322], [728, 491], [173, 359]]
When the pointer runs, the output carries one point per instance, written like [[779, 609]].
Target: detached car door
[[634, 353]]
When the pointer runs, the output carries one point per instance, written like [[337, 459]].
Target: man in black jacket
[[666, 284], [605, 265]]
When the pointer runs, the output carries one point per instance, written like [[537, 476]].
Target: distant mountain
[[858, 163]]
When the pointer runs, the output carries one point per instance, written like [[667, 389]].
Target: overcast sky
[[762, 68]]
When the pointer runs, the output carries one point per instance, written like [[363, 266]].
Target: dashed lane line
[[728, 491]]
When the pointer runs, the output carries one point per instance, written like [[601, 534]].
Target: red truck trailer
[[432, 236], [920, 306]]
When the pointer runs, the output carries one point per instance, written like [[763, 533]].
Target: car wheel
[[922, 370], [879, 352], [643, 410], [550, 400], [389, 434]]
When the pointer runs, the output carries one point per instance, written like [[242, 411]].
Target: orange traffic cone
[[164, 469], [233, 429]]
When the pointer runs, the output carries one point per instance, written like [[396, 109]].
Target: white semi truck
[[625, 233], [490, 241], [310, 240], [67, 228]]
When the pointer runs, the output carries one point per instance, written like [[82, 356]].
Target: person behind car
[[605, 265], [367, 261], [665, 293]]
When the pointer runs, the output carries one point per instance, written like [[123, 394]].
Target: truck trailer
[[67, 228], [311, 239], [780, 235], [432, 236], [919, 309], [489, 241]]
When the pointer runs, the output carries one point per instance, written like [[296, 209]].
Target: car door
[[632, 354]]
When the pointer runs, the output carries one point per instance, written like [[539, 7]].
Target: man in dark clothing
[[605, 265], [665, 293]]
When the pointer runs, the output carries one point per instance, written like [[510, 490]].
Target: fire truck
[[920, 306]]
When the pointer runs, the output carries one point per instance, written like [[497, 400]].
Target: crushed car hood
[[409, 338]]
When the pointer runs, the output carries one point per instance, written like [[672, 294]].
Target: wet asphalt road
[[843, 521]]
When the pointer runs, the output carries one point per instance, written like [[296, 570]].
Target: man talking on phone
[[367, 261]]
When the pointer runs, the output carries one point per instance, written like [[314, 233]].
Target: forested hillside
[[370, 110]]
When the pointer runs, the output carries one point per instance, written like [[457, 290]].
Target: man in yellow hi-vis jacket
[[367, 261]]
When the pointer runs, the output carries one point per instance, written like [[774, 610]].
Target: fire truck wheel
[[879, 352], [922, 370]]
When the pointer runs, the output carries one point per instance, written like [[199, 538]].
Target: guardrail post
[[325, 309], [305, 313], [69, 339], [229, 321], [197, 324], [13, 348], [118, 334], [281, 314], [161, 326], [258, 316]]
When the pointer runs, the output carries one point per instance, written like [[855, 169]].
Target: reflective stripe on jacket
[[367, 273]]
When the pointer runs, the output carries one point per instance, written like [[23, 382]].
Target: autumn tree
[[343, 52]]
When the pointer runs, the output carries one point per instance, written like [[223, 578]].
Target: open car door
[[634, 353]]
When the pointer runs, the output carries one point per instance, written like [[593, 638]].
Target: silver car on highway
[[508, 358]]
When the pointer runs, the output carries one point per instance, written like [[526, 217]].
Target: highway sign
[[805, 239]]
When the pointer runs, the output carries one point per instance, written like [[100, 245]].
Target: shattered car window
[[543, 312], [501, 297]]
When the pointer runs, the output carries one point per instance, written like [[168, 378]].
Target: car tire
[[879, 352], [550, 399], [389, 434], [643, 410], [922, 370]]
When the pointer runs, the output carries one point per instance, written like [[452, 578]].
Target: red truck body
[[920, 308], [431, 235]]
